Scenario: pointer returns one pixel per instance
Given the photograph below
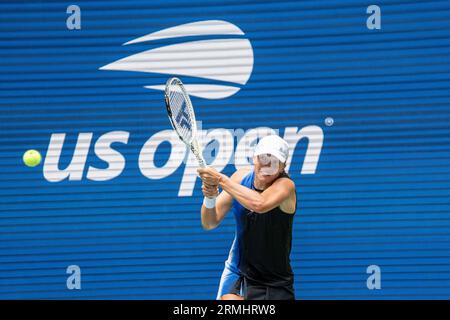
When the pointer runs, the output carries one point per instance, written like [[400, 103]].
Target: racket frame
[[193, 144]]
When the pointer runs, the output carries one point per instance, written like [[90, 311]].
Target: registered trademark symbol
[[329, 121]]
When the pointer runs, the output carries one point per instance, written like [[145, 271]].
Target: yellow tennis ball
[[32, 158]]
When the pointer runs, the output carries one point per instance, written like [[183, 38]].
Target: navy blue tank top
[[265, 244]]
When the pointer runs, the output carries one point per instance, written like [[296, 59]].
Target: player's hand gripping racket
[[182, 117]]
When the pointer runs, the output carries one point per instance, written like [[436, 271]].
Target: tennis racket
[[182, 117]]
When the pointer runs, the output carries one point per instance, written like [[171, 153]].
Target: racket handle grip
[[209, 203], [202, 163]]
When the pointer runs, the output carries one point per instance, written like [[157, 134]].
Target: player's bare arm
[[212, 217], [280, 193]]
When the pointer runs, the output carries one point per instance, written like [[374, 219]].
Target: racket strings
[[178, 105]]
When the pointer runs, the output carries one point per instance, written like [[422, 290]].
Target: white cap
[[273, 145]]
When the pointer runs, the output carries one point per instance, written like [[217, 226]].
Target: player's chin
[[266, 177]]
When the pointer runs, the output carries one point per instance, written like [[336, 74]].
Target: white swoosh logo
[[200, 28], [228, 60]]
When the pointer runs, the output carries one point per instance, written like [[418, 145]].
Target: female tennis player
[[263, 201]]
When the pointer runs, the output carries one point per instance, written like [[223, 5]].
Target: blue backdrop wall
[[376, 192]]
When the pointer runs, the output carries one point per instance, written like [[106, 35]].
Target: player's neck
[[257, 187], [260, 186]]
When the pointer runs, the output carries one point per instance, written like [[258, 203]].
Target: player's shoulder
[[285, 181], [240, 174]]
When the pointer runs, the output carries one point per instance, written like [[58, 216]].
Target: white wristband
[[209, 203]]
